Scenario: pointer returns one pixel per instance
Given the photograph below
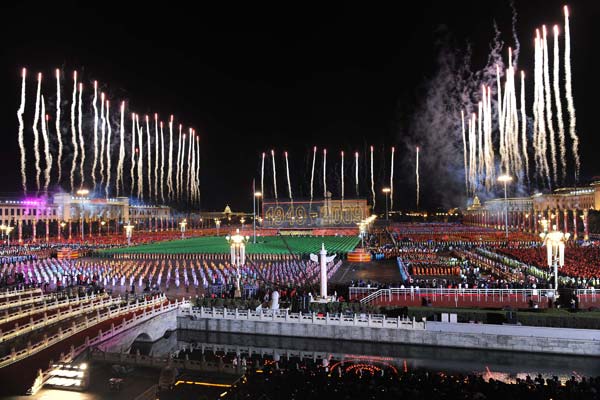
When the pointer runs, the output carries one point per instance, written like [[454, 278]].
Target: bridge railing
[[158, 304], [18, 292], [33, 348], [284, 316], [26, 299]]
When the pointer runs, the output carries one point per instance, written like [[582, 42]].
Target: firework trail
[[36, 135], [324, 173], [500, 119], [119, 181], [464, 138], [108, 147], [312, 173], [542, 136], [392, 180], [140, 158], [372, 179], [417, 177], [162, 163], [156, 157], [480, 159], [95, 163], [356, 172], [170, 162], [287, 171], [342, 174], [536, 131], [80, 129], [177, 181], [181, 170], [133, 150], [58, 132], [262, 175], [274, 173], [559, 118], [198, 169], [548, 94], [472, 154], [569, 95], [149, 157], [189, 165], [524, 127], [140, 163], [20, 112], [47, 153], [102, 137], [74, 131]]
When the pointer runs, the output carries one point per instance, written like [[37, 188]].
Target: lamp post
[[102, 223], [555, 244], [218, 225], [182, 225], [387, 191], [505, 179], [62, 229], [238, 256], [128, 232], [255, 199], [81, 193], [8, 230]]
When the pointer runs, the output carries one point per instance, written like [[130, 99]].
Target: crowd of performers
[[162, 274]]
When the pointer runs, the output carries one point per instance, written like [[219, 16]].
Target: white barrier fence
[[266, 315], [17, 292]]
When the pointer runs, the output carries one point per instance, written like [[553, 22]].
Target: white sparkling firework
[[170, 191], [162, 163], [524, 127], [262, 174], [20, 112], [274, 173], [548, 104], [287, 172], [36, 134], [140, 161], [181, 169], [324, 173], [108, 148], [74, 132], [198, 169], [149, 157], [356, 172], [95, 163], [47, 153], [156, 140], [569, 95], [177, 180], [559, 117], [189, 166], [342, 174], [119, 181], [372, 179], [312, 173], [392, 180], [102, 137], [133, 151], [418, 178], [464, 138], [480, 160], [80, 130], [58, 131]]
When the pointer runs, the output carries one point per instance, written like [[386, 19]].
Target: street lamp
[[62, 229], [505, 179], [256, 197], [102, 223], [182, 225], [387, 191], [555, 244], [82, 193], [238, 256], [218, 225], [128, 232], [6, 229]]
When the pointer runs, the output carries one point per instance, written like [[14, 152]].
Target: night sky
[[251, 79]]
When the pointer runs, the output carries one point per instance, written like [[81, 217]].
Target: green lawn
[[268, 245]]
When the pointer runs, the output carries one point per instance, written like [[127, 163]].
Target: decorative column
[[34, 225], [586, 232], [557, 218], [20, 231], [534, 218], [566, 220], [70, 230], [47, 230], [575, 226]]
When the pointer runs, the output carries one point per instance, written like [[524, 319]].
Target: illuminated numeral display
[[332, 213]]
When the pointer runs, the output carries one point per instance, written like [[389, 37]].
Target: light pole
[[8, 230], [255, 199], [102, 223], [62, 229], [128, 232], [555, 244], [505, 179], [218, 225], [238, 256], [81, 193], [182, 225], [387, 191]]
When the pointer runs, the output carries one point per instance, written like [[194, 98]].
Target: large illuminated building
[[567, 208]]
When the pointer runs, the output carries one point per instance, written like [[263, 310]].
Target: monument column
[[586, 232], [575, 224], [565, 220]]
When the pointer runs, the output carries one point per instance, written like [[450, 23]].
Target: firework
[[189, 164], [170, 191], [287, 172], [156, 157], [342, 174], [47, 153], [108, 148], [524, 126], [324, 173], [372, 179], [312, 172], [464, 138], [133, 150], [20, 112], [548, 105], [58, 131], [392, 180], [198, 169], [162, 163], [274, 173], [417, 177], [95, 99], [149, 157], [119, 181], [102, 136], [36, 135], [262, 175], [559, 117], [80, 130], [569, 95], [356, 172], [177, 180], [140, 158]]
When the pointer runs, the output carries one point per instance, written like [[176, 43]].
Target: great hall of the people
[[566, 208]]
